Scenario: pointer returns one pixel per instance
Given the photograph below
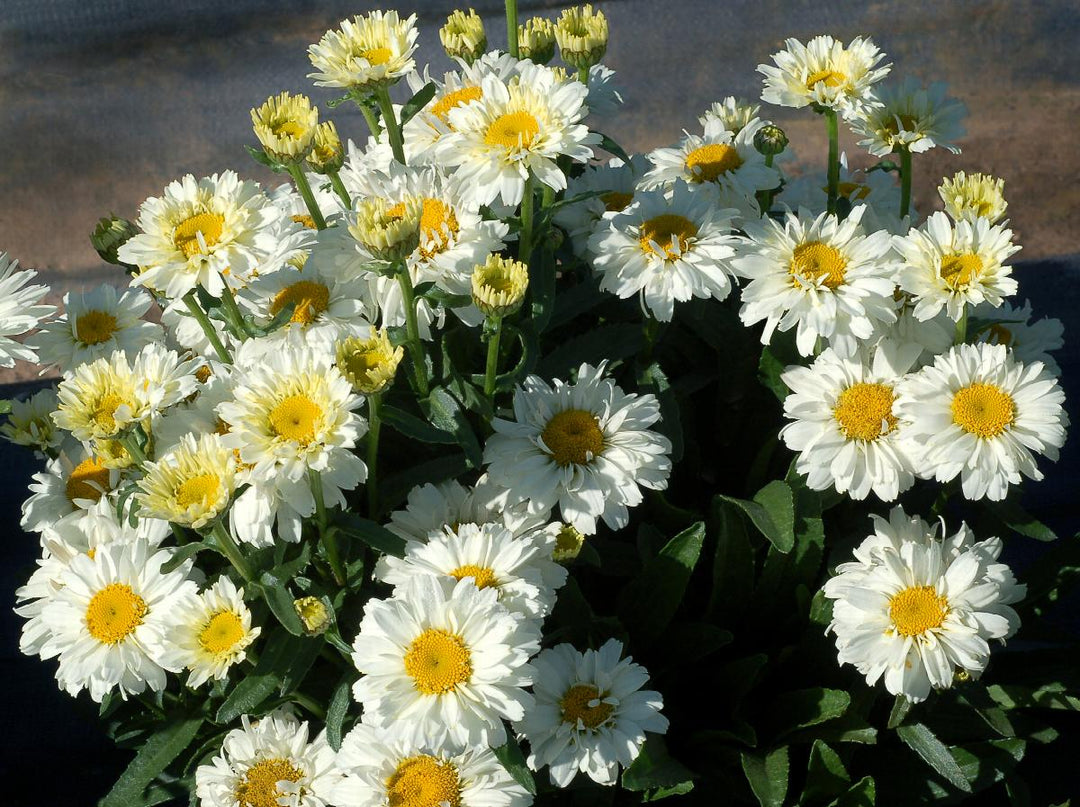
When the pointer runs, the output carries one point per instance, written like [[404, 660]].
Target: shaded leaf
[[420, 100], [151, 759], [513, 760], [920, 739], [826, 776], [789, 711], [767, 775], [412, 426], [338, 709], [444, 412], [655, 768], [371, 533]]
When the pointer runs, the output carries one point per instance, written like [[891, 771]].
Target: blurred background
[[105, 101]]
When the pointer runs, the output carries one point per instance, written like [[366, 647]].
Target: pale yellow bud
[[285, 125], [326, 155], [463, 36], [536, 40], [369, 364], [389, 231], [568, 544], [313, 614], [582, 35], [499, 286], [973, 196]]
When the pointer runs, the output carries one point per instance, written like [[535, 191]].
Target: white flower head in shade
[[912, 118], [191, 485], [444, 661], [108, 620], [974, 196], [614, 185], [587, 446], [733, 114], [844, 427], [1013, 327], [949, 265], [209, 632], [667, 248], [20, 310], [268, 762], [933, 336], [72, 482], [520, 569], [826, 73], [914, 609], [30, 421], [591, 713], [825, 278], [979, 414], [365, 53], [877, 190], [381, 766]]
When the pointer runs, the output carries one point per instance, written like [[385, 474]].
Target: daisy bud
[[568, 544], [369, 364], [463, 36], [973, 196], [390, 232], [285, 125], [536, 40], [499, 285], [582, 35], [314, 614], [770, 140], [111, 233], [326, 155]]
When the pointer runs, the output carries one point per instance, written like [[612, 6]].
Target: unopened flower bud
[[327, 155], [314, 615], [770, 140], [389, 231], [463, 36], [536, 40], [369, 364], [568, 544], [582, 35], [973, 196], [111, 233], [499, 285], [285, 125]]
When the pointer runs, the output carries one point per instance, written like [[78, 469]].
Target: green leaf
[[262, 158], [686, 642], [278, 653], [152, 758], [934, 753], [181, 554], [790, 711], [772, 512], [444, 412], [509, 754], [900, 709], [415, 428], [575, 301], [976, 696], [986, 763], [611, 147], [307, 650], [648, 602], [861, 794], [280, 600], [373, 534], [733, 563], [1013, 516], [417, 102], [826, 776], [338, 709], [654, 381], [541, 289], [680, 789], [395, 487], [767, 775], [655, 768], [769, 370]]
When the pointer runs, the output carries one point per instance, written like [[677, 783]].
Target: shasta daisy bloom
[[499, 285], [930, 337], [100, 399], [209, 633], [911, 118], [733, 114], [844, 425], [826, 278], [381, 767], [444, 662], [981, 415], [586, 446], [30, 421], [269, 761], [612, 187], [947, 265], [974, 196], [877, 190], [108, 619], [1013, 327], [666, 250], [93, 325], [20, 311], [285, 125], [365, 53], [591, 713], [914, 609], [191, 485], [520, 569], [71, 483], [826, 73]]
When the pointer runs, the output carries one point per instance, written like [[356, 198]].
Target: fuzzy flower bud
[[536, 40], [111, 233], [770, 140], [568, 544], [499, 285], [463, 36], [327, 155], [313, 614], [390, 232], [973, 196], [285, 125], [369, 364], [582, 35]]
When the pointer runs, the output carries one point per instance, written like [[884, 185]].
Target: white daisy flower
[[877, 190], [666, 250], [365, 53], [266, 762], [93, 325], [20, 310], [825, 73], [733, 114], [444, 661], [932, 336], [915, 609], [1029, 341], [974, 196], [826, 278], [980, 414], [844, 425], [586, 446], [591, 713], [949, 265], [382, 767], [108, 619], [191, 485], [30, 422], [614, 184], [605, 96], [71, 483], [196, 415], [520, 569], [911, 118]]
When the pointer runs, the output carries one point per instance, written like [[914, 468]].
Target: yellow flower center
[[95, 327], [615, 201], [203, 374], [832, 78], [114, 613], [998, 334], [221, 633], [959, 270], [306, 220], [483, 576], [438, 661], [201, 489], [423, 781], [88, 480], [104, 414], [850, 190], [441, 108], [295, 418], [582, 702], [186, 233], [864, 411], [573, 436], [815, 261], [512, 130], [707, 163], [376, 56], [908, 123], [983, 409], [259, 788], [309, 297], [916, 610], [290, 128], [667, 235]]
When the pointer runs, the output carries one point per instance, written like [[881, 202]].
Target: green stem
[[905, 182], [339, 189], [652, 331], [583, 75], [961, 328], [230, 550], [492, 368], [764, 197], [526, 235], [393, 131], [374, 424], [207, 326], [511, 28], [232, 311], [369, 116], [834, 158], [297, 173], [308, 703], [416, 350], [132, 447], [327, 536]]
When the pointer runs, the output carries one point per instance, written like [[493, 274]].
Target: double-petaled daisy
[[911, 118], [365, 53], [108, 621], [824, 277], [947, 265], [1013, 327], [733, 114], [666, 250], [520, 569], [979, 414], [608, 188], [844, 425], [826, 73], [20, 310], [30, 422], [191, 485], [72, 482], [591, 713], [914, 609], [974, 196], [285, 125], [444, 661], [269, 761], [209, 633], [586, 446]]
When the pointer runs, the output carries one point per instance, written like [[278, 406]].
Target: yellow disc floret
[[512, 130], [483, 576], [958, 271], [573, 436], [668, 235], [582, 702], [87, 480], [114, 613], [864, 411], [815, 262], [309, 297], [710, 162], [198, 233], [423, 781], [221, 633], [259, 787], [438, 661], [95, 327], [916, 610], [296, 418], [984, 410]]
